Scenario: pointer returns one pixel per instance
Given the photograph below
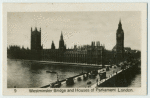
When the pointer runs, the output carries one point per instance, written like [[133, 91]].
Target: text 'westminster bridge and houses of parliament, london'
[[88, 54]]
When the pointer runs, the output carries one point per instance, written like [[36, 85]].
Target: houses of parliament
[[89, 54]]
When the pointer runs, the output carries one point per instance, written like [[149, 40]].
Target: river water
[[27, 74], [136, 81]]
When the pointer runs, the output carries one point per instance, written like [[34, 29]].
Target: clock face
[[119, 35]]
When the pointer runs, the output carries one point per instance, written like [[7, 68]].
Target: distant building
[[89, 54], [36, 39], [119, 43]]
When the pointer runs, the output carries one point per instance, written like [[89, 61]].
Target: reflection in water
[[26, 74]]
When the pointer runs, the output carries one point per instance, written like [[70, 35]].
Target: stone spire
[[61, 42], [120, 25], [61, 37], [52, 45]]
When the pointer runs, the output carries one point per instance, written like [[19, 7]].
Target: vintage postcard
[[74, 49]]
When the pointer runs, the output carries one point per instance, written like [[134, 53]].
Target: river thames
[[27, 74]]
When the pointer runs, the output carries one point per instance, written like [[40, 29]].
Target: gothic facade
[[36, 39], [119, 43], [88, 54]]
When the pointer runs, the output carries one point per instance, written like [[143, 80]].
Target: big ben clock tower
[[119, 43]]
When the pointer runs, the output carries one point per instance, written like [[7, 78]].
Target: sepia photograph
[[74, 49]]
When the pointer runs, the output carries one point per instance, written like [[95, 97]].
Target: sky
[[78, 28]]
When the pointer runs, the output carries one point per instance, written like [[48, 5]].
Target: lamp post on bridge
[[55, 73], [57, 83]]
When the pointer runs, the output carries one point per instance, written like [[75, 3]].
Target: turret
[[36, 39], [94, 43], [53, 45], [35, 28]]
